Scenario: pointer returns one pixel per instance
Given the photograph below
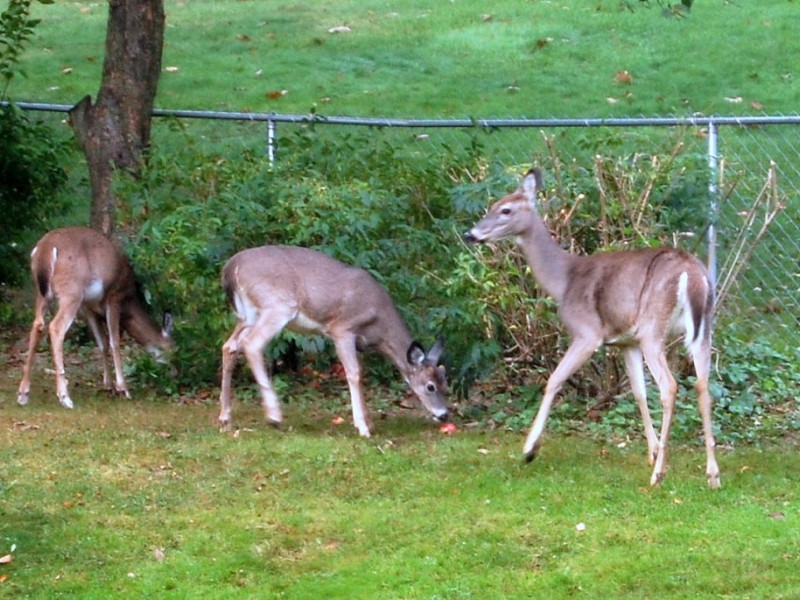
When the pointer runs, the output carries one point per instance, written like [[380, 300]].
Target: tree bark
[[115, 131]]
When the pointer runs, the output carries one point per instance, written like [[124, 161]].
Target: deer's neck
[[549, 262], [395, 343]]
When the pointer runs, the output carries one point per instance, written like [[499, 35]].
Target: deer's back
[[83, 261], [320, 285], [619, 292]]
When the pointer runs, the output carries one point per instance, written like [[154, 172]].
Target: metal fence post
[[713, 162], [271, 141]]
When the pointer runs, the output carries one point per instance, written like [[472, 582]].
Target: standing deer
[[634, 299], [277, 287], [84, 271]]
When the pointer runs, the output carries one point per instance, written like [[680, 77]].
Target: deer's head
[[427, 378], [511, 215]]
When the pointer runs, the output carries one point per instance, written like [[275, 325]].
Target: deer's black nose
[[470, 237]]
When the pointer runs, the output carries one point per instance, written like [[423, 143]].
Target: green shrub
[[401, 215], [30, 176]]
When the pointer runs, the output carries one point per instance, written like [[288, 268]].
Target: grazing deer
[[634, 299], [84, 271], [277, 287]]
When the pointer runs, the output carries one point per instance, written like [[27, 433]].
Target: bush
[[401, 216], [30, 176]]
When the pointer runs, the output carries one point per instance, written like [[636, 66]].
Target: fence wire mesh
[[751, 181]]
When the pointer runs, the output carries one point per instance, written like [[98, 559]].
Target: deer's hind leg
[[252, 340], [23, 394], [634, 365]]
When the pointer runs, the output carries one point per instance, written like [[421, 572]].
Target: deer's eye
[[430, 387], [506, 210]]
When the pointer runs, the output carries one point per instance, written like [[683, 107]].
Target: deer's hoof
[[529, 456], [22, 398], [66, 402]]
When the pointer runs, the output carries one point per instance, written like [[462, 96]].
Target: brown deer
[[83, 271], [277, 287], [634, 299]]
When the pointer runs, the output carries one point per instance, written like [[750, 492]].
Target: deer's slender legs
[[634, 365], [23, 395], [67, 310], [101, 337], [578, 353], [251, 340], [230, 351], [346, 350], [702, 366], [656, 359]]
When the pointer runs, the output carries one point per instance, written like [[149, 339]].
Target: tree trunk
[[116, 129]]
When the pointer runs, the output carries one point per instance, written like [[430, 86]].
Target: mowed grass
[[147, 498], [469, 58]]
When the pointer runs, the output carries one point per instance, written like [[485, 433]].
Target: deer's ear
[[531, 184], [167, 324], [415, 354], [435, 353]]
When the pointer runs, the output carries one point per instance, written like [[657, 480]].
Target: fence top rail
[[674, 121]]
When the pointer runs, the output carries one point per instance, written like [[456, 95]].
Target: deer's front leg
[[346, 350], [113, 325], [578, 353], [101, 339]]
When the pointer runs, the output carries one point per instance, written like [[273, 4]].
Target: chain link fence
[[749, 166]]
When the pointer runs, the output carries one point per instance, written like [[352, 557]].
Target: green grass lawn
[[132, 498], [468, 58]]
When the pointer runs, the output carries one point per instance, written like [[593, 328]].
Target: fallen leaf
[[580, 527], [66, 70], [275, 94], [779, 516], [623, 77], [337, 421], [332, 545], [171, 69], [756, 105], [483, 451], [4, 560], [158, 554], [339, 29], [3, 578], [68, 504], [164, 434], [733, 99]]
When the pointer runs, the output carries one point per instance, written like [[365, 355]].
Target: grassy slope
[[451, 59]]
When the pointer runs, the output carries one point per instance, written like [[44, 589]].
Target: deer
[[635, 299], [84, 272], [275, 287]]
